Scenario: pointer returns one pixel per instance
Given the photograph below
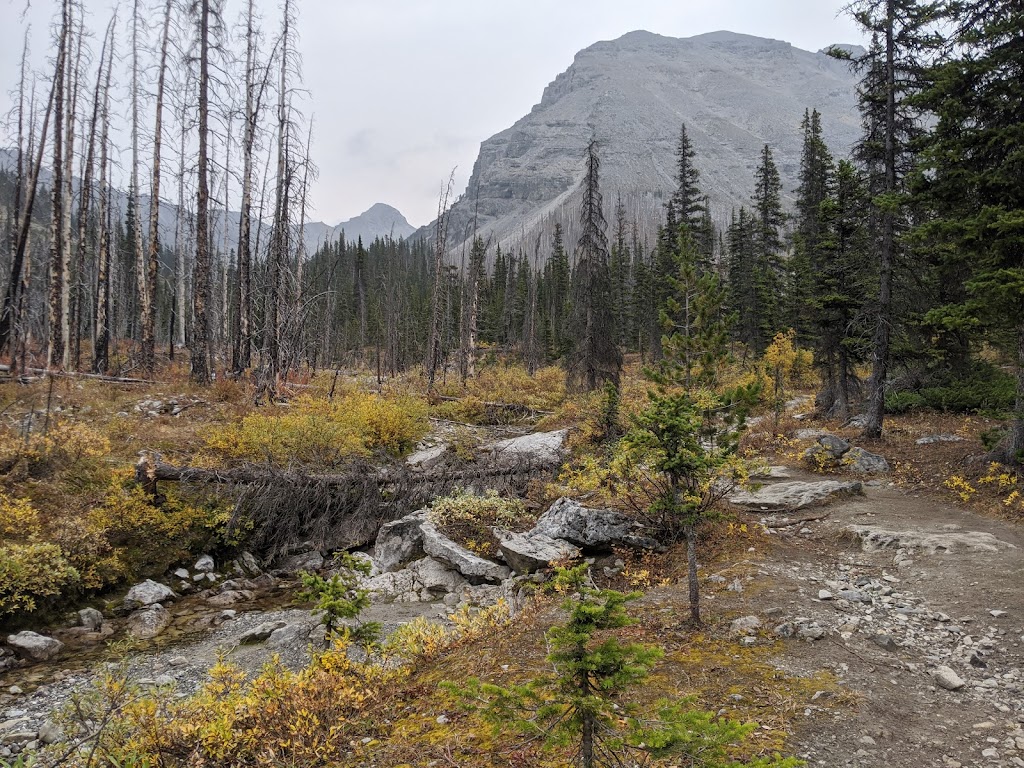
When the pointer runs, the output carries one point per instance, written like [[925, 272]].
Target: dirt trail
[[892, 617]]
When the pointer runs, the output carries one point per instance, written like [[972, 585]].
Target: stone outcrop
[[791, 496], [533, 551], [594, 529], [31, 645]]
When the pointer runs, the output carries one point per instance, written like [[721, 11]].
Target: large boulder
[[864, 462], [789, 497], [597, 529], [149, 622], [149, 592], [399, 542], [302, 561], [532, 551], [432, 579], [473, 567], [91, 619], [537, 446], [36, 647]]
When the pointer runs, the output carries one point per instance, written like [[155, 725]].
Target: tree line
[[902, 261]]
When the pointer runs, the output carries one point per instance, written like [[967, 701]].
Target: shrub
[[319, 432], [468, 518], [31, 573], [340, 597], [985, 389]]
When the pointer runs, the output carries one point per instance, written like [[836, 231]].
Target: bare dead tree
[[101, 325], [55, 342], [437, 297]]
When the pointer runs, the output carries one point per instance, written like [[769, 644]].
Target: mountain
[[734, 92], [379, 220]]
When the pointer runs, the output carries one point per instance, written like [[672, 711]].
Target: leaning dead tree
[[345, 508], [437, 297]]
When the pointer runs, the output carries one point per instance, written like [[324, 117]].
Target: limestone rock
[[204, 564], [864, 462], [399, 542], [34, 646], [149, 622], [745, 625], [230, 597], [149, 592], [947, 678], [433, 579], [458, 557], [932, 439], [792, 496], [873, 539], [90, 618], [261, 632], [302, 561], [597, 529], [529, 552], [388, 586], [537, 446], [250, 564]]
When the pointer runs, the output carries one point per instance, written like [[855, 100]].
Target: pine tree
[[903, 33], [594, 358], [744, 299], [768, 267], [971, 181]]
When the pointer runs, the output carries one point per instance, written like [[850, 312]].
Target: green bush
[[30, 573], [986, 389], [904, 402]]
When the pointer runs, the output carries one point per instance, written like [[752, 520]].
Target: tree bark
[[691, 572], [55, 345], [200, 348]]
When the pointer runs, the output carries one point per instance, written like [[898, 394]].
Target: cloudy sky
[[402, 91]]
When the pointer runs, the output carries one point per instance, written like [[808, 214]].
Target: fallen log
[[276, 508], [4, 368]]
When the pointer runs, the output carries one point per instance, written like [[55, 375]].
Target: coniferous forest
[[701, 490]]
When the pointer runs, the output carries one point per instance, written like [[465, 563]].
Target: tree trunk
[[200, 349], [73, 77], [56, 338], [242, 342], [691, 572], [153, 257]]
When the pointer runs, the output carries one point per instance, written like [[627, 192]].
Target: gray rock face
[[789, 497], [260, 633], [873, 539], [434, 578], [529, 552], [148, 592], [90, 618], [745, 625], [458, 557], [34, 646], [537, 446], [149, 622], [249, 564], [304, 561], [598, 529], [864, 462], [734, 92], [399, 542]]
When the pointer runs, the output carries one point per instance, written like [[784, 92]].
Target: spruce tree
[[768, 267], [594, 358]]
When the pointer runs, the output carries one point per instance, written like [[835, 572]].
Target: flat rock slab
[[789, 497], [34, 646], [599, 529], [538, 446], [529, 552], [473, 567], [400, 542], [873, 539]]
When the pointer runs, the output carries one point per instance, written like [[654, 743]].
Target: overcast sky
[[402, 91]]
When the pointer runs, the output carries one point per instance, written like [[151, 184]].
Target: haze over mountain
[[380, 220], [735, 93]]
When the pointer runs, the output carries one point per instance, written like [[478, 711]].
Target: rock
[[302, 561], [533, 551], [289, 637], [745, 625], [854, 596], [15, 690], [932, 439], [19, 738], [824, 594], [811, 631], [388, 586], [770, 473], [250, 564], [997, 614], [362, 556], [399, 542], [177, 661], [863, 462], [538, 446], [50, 733], [945, 677], [148, 622], [786, 629], [260, 633], [858, 422], [432, 579], [148, 592], [833, 446], [597, 529], [36, 647], [793, 496], [873, 539], [182, 573], [458, 557], [809, 434], [90, 618], [230, 597], [204, 564], [424, 458], [885, 642]]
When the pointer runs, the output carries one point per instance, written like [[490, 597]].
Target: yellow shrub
[[321, 432], [18, 518], [30, 573]]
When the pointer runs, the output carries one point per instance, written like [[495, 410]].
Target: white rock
[[538, 446], [873, 539], [458, 557], [947, 678], [533, 551], [148, 593], [34, 646], [149, 622], [792, 496], [204, 564]]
